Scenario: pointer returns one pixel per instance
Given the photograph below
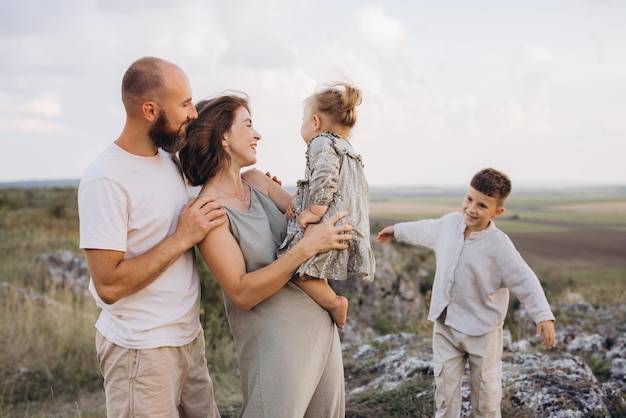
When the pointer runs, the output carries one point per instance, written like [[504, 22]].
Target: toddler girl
[[334, 181]]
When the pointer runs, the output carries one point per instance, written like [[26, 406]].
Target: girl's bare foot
[[340, 312]]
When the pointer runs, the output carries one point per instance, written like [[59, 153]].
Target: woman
[[288, 348]]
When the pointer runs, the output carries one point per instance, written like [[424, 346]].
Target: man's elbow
[[108, 294]]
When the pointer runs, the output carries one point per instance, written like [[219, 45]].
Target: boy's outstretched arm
[[385, 235], [549, 336]]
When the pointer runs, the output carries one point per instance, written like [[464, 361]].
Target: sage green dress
[[288, 348]]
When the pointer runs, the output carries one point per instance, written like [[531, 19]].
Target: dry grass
[[47, 347], [47, 356], [48, 365]]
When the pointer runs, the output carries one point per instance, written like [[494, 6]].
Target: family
[[272, 254]]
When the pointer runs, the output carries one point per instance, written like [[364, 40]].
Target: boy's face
[[478, 210]]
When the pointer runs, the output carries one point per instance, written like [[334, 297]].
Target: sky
[[535, 88]]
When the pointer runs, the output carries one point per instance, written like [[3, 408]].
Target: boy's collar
[[482, 232]]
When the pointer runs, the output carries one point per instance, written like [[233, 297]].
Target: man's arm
[[115, 277]]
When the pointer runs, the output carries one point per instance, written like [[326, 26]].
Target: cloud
[[39, 125], [46, 104], [537, 53], [446, 89], [379, 28]]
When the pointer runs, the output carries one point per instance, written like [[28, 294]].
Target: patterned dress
[[334, 177]]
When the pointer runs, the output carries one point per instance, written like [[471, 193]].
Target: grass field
[[575, 227], [575, 240]]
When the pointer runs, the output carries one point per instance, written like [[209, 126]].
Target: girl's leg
[[320, 291]]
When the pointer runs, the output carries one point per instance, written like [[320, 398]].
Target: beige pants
[[159, 382], [451, 351]]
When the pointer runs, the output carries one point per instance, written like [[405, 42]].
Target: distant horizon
[[563, 185]]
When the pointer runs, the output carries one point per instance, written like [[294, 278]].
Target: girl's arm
[[223, 256], [323, 179], [311, 215]]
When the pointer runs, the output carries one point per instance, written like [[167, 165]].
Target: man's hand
[[198, 217]]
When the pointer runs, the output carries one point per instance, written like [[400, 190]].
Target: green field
[[604, 207], [47, 355]]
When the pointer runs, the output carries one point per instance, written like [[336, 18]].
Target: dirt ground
[[583, 246], [577, 249]]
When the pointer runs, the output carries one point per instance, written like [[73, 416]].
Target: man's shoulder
[[111, 164], [98, 164]]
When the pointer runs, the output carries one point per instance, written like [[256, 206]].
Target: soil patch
[[585, 246], [576, 249]]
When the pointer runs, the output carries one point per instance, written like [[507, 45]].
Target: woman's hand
[[326, 236]]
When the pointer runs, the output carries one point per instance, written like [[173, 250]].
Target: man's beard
[[169, 140]]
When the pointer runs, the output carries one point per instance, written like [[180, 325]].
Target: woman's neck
[[228, 186], [227, 179]]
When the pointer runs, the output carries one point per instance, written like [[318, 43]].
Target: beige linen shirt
[[474, 275]]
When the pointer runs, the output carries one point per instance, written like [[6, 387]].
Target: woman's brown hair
[[203, 154]]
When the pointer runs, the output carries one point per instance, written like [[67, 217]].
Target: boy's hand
[[549, 336], [385, 235]]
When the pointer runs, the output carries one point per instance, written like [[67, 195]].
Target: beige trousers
[[451, 351], [159, 382]]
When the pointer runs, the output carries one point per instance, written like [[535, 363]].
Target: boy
[[477, 264]]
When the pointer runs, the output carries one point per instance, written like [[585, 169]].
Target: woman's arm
[[225, 260], [281, 197]]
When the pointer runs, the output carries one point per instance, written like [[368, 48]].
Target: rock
[[542, 383], [548, 384], [553, 385], [583, 376], [67, 270]]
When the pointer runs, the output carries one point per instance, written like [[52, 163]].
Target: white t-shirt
[[130, 203]]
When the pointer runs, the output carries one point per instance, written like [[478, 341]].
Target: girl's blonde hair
[[338, 102]]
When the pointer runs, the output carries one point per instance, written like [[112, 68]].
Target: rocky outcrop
[[583, 376], [66, 270], [386, 348], [536, 383]]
